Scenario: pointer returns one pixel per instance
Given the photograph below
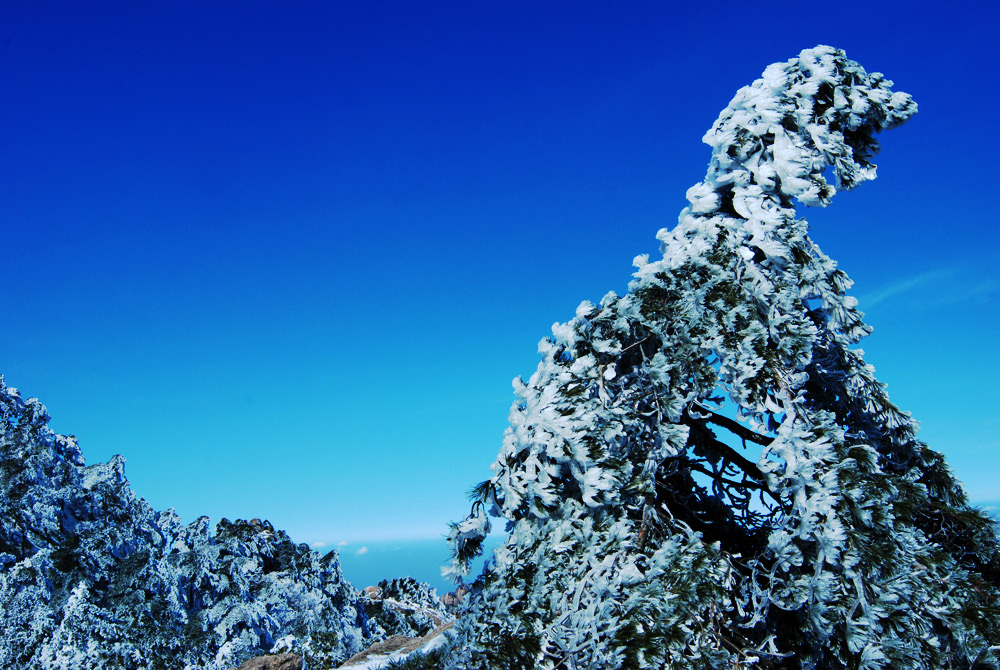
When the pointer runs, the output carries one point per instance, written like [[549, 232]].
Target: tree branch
[[737, 459], [752, 484], [736, 428]]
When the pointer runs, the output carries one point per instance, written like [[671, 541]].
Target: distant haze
[[366, 564]]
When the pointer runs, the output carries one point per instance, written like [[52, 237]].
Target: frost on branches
[[91, 577], [703, 473]]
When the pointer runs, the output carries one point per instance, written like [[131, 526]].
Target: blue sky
[[287, 257]]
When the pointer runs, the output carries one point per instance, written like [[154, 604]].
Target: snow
[[617, 490], [383, 660], [76, 533], [637, 531]]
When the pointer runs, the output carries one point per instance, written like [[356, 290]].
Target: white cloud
[[362, 551], [342, 543], [318, 545], [869, 300], [936, 288]]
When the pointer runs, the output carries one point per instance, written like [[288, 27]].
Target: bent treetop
[[703, 471]]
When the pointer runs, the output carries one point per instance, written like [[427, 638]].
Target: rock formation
[[273, 662], [453, 599]]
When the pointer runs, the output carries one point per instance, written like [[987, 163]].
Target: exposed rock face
[[92, 577], [455, 598], [396, 643], [406, 613], [277, 662]]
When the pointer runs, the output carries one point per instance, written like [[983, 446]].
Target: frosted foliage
[[405, 606], [703, 472], [92, 577]]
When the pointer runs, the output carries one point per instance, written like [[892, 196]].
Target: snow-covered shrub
[[92, 577], [409, 590], [405, 607], [703, 473]]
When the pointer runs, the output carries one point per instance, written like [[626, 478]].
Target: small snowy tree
[[703, 473], [92, 577]]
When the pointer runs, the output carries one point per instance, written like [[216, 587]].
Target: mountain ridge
[[92, 576]]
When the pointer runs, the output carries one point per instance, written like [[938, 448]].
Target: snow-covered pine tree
[[91, 577], [703, 473]]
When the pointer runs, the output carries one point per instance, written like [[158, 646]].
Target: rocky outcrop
[[275, 662], [92, 577], [453, 599], [397, 644], [407, 613]]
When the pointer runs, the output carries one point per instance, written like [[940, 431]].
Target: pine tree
[[92, 577], [704, 473]]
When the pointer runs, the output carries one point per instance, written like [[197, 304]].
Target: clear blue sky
[[286, 257]]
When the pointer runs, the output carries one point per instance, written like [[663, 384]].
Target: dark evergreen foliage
[[92, 577], [703, 473]]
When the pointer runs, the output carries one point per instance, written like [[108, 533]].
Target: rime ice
[[703, 472]]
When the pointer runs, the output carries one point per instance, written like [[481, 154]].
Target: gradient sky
[[286, 257]]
